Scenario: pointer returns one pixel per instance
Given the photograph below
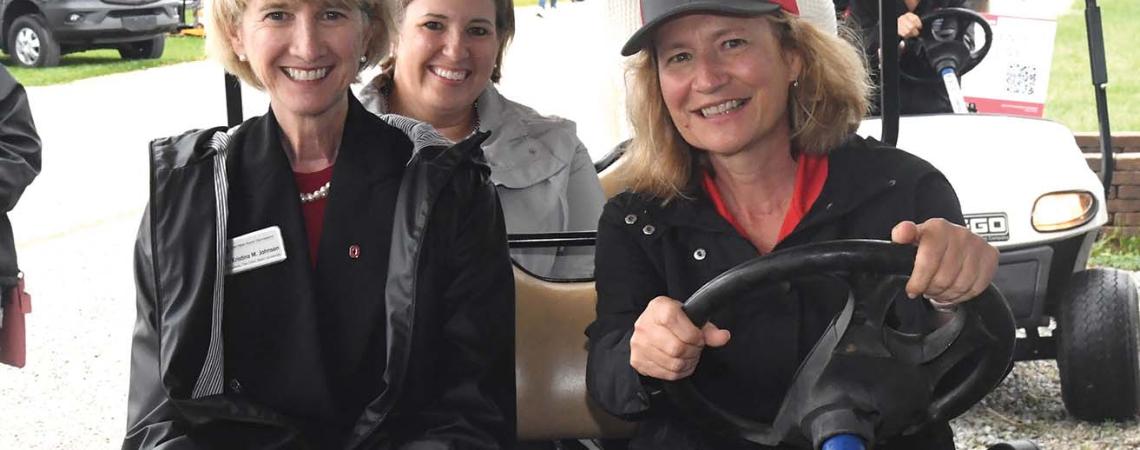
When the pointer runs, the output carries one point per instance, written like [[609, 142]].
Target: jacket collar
[[856, 174]]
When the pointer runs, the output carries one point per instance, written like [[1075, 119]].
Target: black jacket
[[915, 97], [645, 250], [19, 165], [441, 314]]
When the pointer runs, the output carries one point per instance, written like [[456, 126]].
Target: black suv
[[35, 33]]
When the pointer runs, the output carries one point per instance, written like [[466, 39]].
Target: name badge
[[255, 250]]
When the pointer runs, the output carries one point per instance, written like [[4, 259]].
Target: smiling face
[[445, 53], [304, 53], [725, 81]]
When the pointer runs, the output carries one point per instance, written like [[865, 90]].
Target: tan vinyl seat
[[612, 184], [550, 362]]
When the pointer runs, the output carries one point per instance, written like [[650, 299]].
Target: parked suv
[[35, 33]]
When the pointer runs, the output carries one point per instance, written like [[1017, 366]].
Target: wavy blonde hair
[[225, 21], [826, 106]]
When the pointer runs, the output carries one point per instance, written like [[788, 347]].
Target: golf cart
[[1025, 187], [552, 314]]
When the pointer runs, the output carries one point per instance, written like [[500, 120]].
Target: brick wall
[[1124, 196]]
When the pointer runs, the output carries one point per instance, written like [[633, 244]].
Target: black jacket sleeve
[[19, 164], [470, 356], [626, 281], [19, 143], [153, 422], [935, 198]]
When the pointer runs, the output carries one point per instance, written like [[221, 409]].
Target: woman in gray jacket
[[447, 56]]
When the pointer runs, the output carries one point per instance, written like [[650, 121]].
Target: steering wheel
[[947, 48], [863, 376]]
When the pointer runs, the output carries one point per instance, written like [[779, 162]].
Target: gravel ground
[[1028, 405]]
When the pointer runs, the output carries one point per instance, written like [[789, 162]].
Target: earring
[[241, 58], [796, 83], [363, 59]]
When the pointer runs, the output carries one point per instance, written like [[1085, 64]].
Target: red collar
[[811, 173]]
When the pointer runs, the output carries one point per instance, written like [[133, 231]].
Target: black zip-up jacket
[[440, 349], [645, 250], [19, 165]]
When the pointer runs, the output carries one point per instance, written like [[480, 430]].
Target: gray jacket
[[544, 176]]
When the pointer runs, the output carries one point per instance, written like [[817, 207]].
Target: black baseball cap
[[656, 12]]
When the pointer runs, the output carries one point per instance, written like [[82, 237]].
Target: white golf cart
[[1042, 211], [1024, 185]]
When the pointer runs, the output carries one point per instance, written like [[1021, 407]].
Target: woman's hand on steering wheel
[[953, 264], [665, 343], [910, 25]]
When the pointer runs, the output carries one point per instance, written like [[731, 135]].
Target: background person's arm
[[19, 143], [19, 165]]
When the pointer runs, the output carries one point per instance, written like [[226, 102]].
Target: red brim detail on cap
[[791, 6]]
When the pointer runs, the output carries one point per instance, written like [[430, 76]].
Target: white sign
[[1013, 79]]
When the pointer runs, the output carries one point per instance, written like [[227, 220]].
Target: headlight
[[1059, 211]]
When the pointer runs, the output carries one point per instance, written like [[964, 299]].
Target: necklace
[[321, 192]]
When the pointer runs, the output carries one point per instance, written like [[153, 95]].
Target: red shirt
[[314, 211], [811, 173]]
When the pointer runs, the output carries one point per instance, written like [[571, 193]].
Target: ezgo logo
[[993, 227]]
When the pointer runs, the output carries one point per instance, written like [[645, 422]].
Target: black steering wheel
[[943, 42], [863, 376]]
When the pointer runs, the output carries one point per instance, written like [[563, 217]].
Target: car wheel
[[30, 44], [1097, 351], [148, 49]]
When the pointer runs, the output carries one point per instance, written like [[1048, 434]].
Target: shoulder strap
[[210, 379]]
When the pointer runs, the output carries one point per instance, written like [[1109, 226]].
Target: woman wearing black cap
[[743, 119]]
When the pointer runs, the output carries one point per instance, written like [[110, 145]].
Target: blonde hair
[[504, 30], [824, 107], [225, 21]]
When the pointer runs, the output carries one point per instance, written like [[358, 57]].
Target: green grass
[[1115, 250], [519, 3], [1071, 97], [104, 62]]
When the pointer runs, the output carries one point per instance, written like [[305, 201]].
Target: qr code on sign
[[1021, 79]]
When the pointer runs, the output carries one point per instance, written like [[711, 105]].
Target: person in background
[[319, 277], [916, 97], [744, 118], [446, 60], [20, 162], [542, 5]]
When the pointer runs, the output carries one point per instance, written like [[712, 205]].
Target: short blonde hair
[[225, 20], [825, 107]]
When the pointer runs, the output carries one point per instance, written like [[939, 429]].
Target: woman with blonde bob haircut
[[319, 276], [744, 118]]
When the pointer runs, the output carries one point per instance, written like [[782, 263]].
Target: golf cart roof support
[[233, 101], [889, 73], [1100, 84]]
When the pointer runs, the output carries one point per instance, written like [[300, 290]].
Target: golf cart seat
[[608, 168], [550, 362]]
